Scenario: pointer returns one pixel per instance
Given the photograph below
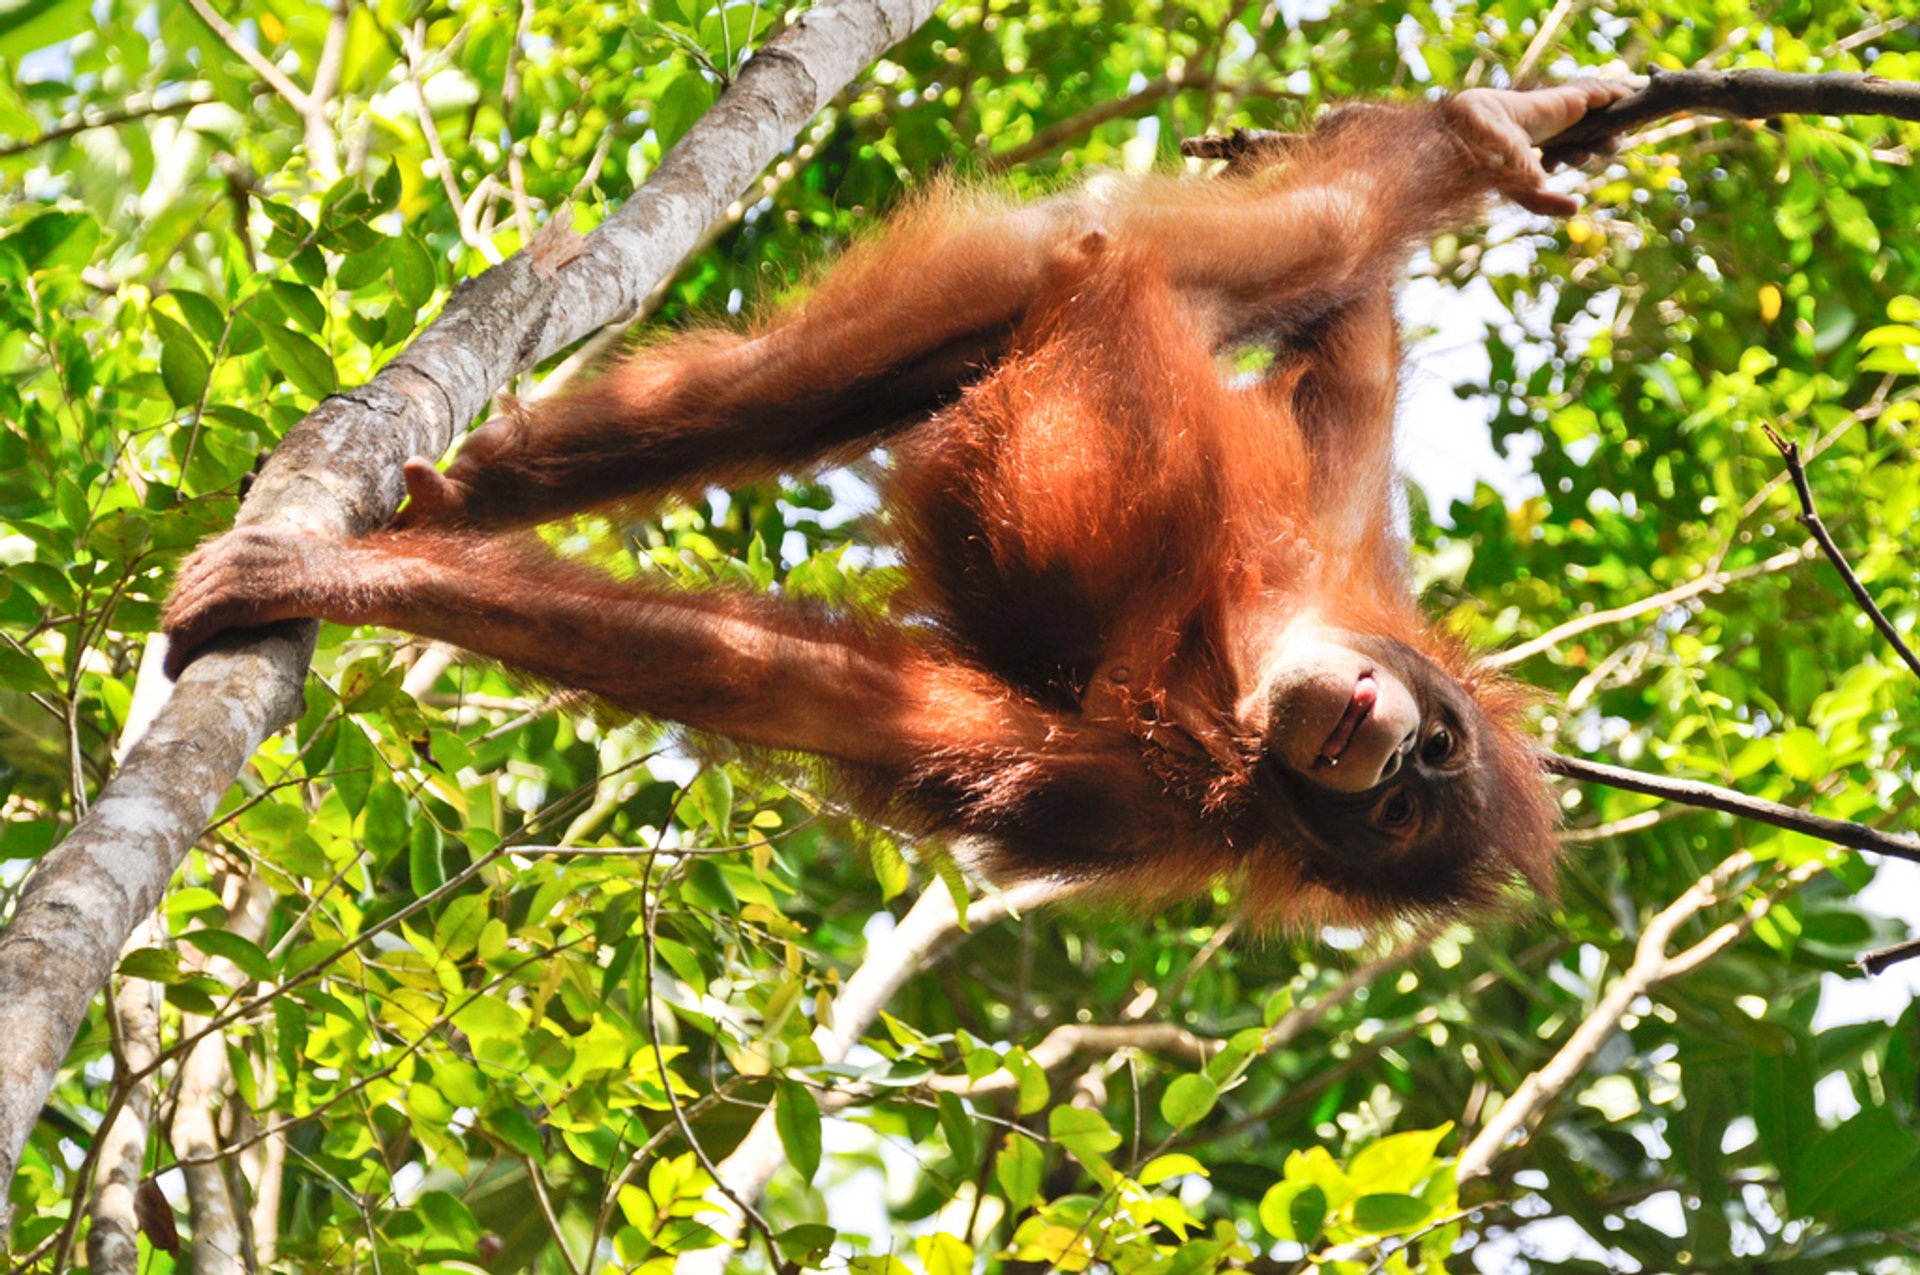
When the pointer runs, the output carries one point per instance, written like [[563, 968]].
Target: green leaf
[[807, 1244], [299, 304], [26, 25], [1017, 1169], [889, 866], [1846, 1167], [1390, 1212], [684, 100], [202, 314], [710, 796], [1277, 1006], [1397, 1162], [55, 239], [452, 1221], [1161, 1168], [359, 269], [796, 1117], [304, 363], [242, 951], [957, 1125], [426, 867], [515, 1128], [1085, 1133], [156, 964], [1187, 1100], [21, 672], [184, 366], [1029, 1078], [1293, 1211], [413, 272]]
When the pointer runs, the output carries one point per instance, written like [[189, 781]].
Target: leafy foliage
[[504, 942]]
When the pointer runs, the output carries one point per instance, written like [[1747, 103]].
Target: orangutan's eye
[[1439, 746], [1397, 811]]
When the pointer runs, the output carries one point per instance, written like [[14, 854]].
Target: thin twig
[[650, 922], [413, 45], [104, 119], [1810, 519], [1550, 28], [1692, 792], [1078, 125], [546, 1210], [276, 79], [1712, 582]]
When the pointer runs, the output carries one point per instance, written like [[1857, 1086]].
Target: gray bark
[[339, 471], [112, 1248], [204, 1094]]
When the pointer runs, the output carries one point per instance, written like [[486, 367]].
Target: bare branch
[[1692, 792], [1550, 28], [311, 107], [1651, 965], [1810, 519], [1059, 1046], [276, 79], [1882, 959], [147, 109], [1078, 125], [1748, 93], [135, 1018], [1712, 582], [411, 43]]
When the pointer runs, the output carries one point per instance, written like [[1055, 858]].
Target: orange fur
[[1104, 534]]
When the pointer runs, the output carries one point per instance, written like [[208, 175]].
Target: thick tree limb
[[339, 471], [1748, 93], [1691, 792]]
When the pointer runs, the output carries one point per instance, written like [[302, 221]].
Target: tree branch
[[1747, 93], [339, 471], [1651, 965], [1712, 582], [1810, 519], [104, 119], [134, 1016], [1078, 125], [1882, 959], [1692, 792]]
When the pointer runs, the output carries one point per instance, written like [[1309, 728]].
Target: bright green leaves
[[55, 240], [1018, 1170], [1085, 1133], [414, 275], [184, 365], [1187, 1100], [1395, 1186], [304, 363]]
